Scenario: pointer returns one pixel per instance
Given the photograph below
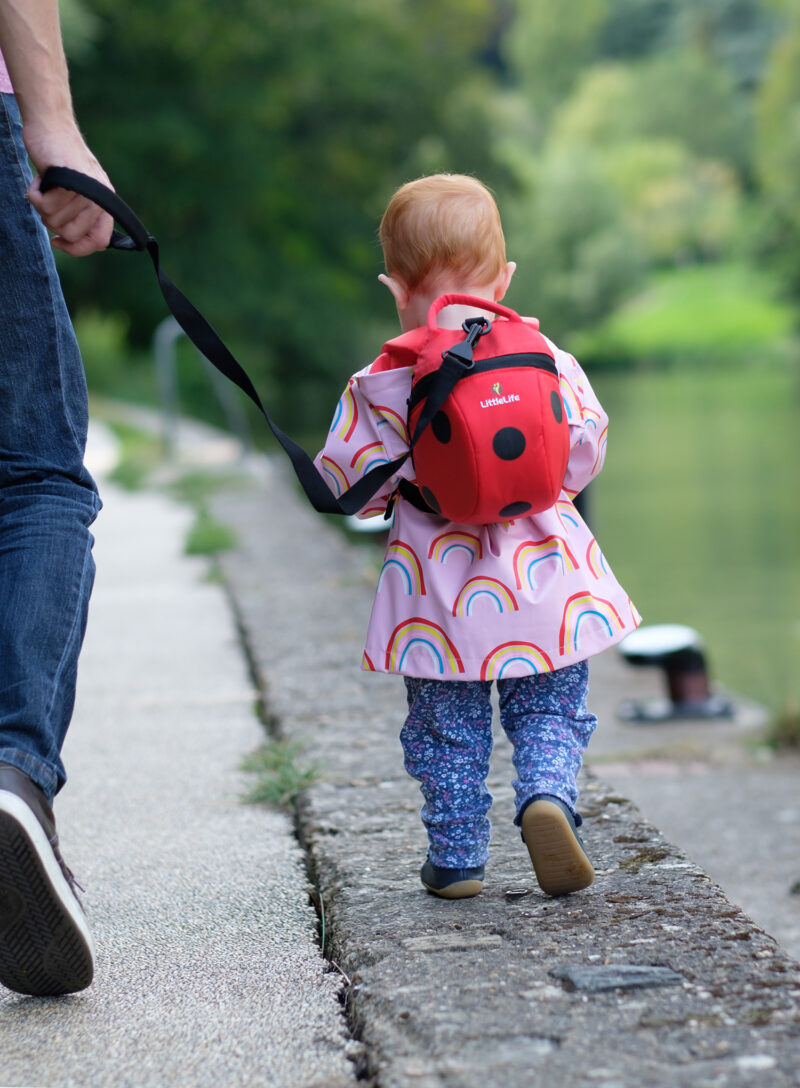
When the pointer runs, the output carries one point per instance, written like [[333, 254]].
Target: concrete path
[[208, 968], [208, 964]]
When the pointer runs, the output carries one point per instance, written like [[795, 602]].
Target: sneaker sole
[[45, 945], [558, 860], [461, 889]]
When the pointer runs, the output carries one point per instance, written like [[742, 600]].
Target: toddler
[[524, 602]]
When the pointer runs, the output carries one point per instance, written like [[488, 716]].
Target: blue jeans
[[48, 500], [447, 742]]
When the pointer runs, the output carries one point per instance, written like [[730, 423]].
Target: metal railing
[[166, 336]]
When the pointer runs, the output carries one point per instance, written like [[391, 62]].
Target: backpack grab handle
[[468, 300]]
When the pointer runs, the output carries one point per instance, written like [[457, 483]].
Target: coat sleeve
[[588, 424], [369, 428]]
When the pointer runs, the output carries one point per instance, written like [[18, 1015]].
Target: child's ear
[[399, 290], [503, 280]]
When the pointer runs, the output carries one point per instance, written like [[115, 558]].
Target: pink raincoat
[[478, 602], [5, 79]]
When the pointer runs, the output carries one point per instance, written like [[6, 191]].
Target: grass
[[140, 454], [207, 536], [280, 774], [784, 732], [197, 487], [706, 313]]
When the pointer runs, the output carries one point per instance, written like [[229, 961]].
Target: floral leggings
[[447, 742]]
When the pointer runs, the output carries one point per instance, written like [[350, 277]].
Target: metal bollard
[[680, 653]]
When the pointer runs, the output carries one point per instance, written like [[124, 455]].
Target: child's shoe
[[452, 883], [549, 830]]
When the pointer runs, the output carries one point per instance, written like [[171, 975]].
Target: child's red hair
[[445, 223]]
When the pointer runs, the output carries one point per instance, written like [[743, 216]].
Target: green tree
[[779, 125], [682, 97], [546, 47], [576, 256], [737, 34], [79, 28], [675, 180], [259, 142], [778, 152]]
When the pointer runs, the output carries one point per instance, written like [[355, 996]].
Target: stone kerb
[[651, 977]]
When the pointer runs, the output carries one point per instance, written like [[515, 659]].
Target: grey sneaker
[[45, 945]]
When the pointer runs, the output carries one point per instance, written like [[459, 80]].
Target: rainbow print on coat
[[602, 442], [402, 557], [368, 457], [519, 597], [491, 589], [431, 639], [572, 403], [335, 474], [346, 416], [580, 609], [567, 514], [389, 417], [531, 552], [508, 654], [372, 511], [455, 542], [595, 560]]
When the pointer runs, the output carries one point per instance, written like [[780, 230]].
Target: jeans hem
[[44, 777]]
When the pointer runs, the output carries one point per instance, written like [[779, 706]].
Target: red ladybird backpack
[[490, 435], [489, 438]]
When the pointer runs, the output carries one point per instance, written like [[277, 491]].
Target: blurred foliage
[[140, 453], [207, 536], [713, 316], [778, 152], [79, 27], [260, 142]]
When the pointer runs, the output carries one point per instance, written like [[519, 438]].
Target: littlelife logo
[[493, 402]]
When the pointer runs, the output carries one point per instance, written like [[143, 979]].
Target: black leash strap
[[206, 340]]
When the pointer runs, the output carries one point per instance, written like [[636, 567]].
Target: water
[[698, 512]]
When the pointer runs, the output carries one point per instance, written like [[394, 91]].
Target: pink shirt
[[480, 602], [5, 81]]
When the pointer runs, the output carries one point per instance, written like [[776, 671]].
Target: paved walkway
[[208, 966]]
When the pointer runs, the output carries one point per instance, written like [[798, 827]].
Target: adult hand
[[79, 226]]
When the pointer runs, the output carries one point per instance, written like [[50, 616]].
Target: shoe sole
[[45, 945], [461, 889], [558, 860]]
